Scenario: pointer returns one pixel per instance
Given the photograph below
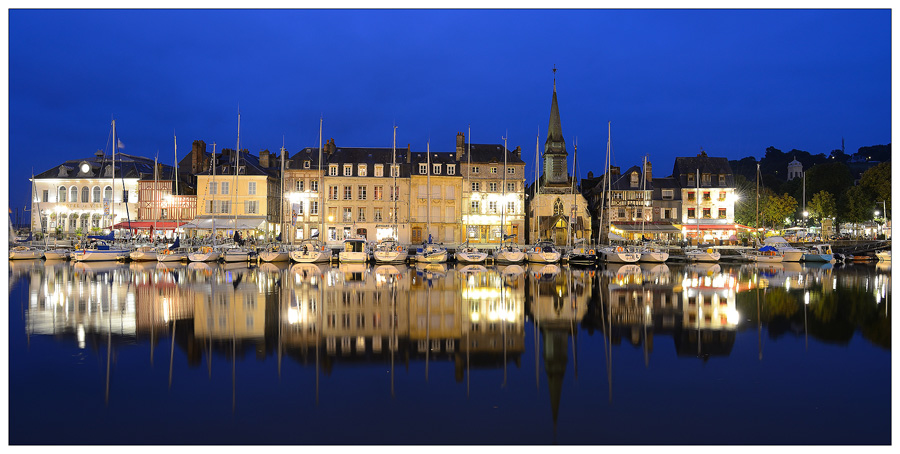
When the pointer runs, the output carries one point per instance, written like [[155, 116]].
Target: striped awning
[[223, 223]]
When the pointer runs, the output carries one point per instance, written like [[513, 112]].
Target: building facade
[[435, 197], [707, 195]]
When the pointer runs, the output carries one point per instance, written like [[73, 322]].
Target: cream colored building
[[436, 194]]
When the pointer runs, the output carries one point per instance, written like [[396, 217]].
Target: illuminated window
[[348, 192], [379, 170], [348, 170], [451, 169], [493, 170], [378, 194], [362, 170], [332, 170], [423, 169], [361, 192], [436, 169], [558, 208]]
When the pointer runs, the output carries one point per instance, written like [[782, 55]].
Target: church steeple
[[555, 147]]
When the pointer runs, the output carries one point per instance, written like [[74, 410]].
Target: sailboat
[[149, 252], [699, 254], [508, 252], [313, 250], [236, 253], [767, 253], [23, 252], [580, 252], [172, 253], [277, 252], [208, 253], [613, 253], [356, 250], [543, 251], [96, 248], [650, 252], [430, 252], [466, 252], [389, 250]]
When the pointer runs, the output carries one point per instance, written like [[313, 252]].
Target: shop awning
[[230, 223], [648, 228], [148, 225], [717, 227]]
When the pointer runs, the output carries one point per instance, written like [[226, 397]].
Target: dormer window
[[379, 170], [706, 179], [348, 170], [436, 169], [395, 170], [306, 164], [451, 169], [690, 179], [362, 170], [332, 170], [634, 179], [423, 169], [721, 179]]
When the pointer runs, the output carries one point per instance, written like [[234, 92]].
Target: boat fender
[[619, 249], [398, 249], [709, 251], [591, 252]]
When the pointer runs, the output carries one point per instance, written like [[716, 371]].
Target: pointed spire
[[555, 142]]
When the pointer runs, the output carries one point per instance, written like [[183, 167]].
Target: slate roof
[[310, 154], [367, 155], [127, 166], [487, 153], [250, 163], [623, 183], [705, 164]]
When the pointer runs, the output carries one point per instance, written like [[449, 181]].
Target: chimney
[[518, 152], [460, 145], [329, 147], [590, 174], [614, 172], [408, 155], [264, 159], [198, 155], [648, 172]]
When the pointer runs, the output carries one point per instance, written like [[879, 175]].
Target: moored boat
[[25, 253], [702, 255], [310, 251], [470, 254], [818, 253], [543, 252], [389, 251], [355, 251]]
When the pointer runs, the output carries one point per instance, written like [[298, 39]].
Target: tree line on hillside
[[849, 188]]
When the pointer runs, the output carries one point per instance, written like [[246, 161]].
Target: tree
[[822, 205], [778, 208], [878, 181], [834, 177]]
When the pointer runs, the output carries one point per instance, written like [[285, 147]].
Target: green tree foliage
[[777, 208], [877, 180], [858, 205], [822, 205], [834, 177], [877, 152]]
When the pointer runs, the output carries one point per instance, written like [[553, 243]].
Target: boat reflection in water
[[480, 322]]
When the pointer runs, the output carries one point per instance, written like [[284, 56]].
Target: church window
[[558, 208]]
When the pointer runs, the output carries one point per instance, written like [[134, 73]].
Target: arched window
[[62, 194], [85, 195], [107, 193], [96, 194], [558, 208], [73, 194]]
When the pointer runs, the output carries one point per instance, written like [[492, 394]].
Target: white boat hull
[[764, 258], [275, 256], [509, 256], [99, 256], [236, 256], [703, 256], [432, 257], [884, 256], [390, 256], [306, 256], [543, 257], [791, 256], [353, 257], [654, 257], [204, 256], [143, 256], [619, 255], [818, 257], [173, 257], [25, 255], [471, 257], [56, 254]]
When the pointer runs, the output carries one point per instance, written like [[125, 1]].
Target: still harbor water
[[152, 353]]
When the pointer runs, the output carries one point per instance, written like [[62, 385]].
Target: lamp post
[[875, 220]]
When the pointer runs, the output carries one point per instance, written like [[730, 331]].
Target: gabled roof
[[310, 154], [706, 164], [365, 155], [623, 183], [487, 153], [225, 164]]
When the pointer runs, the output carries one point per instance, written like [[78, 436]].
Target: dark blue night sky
[[731, 82]]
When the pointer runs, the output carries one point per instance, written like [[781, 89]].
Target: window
[[348, 192], [423, 192], [493, 170], [638, 213], [348, 170], [361, 215], [475, 209], [706, 213], [451, 169], [361, 170], [332, 192], [492, 207], [251, 188], [510, 187], [377, 215], [691, 213], [332, 170], [706, 197], [332, 233], [705, 178], [299, 208], [224, 187], [690, 179], [510, 170], [379, 170], [690, 196], [107, 193], [493, 186], [620, 214], [475, 170], [722, 214], [61, 194], [378, 193], [46, 197], [634, 179], [668, 194], [252, 207], [436, 192], [510, 207], [306, 164], [721, 179], [299, 185], [225, 206], [395, 170], [348, 214], [85, 195], [436, 169], [314, 207], [476, 186], [423, 169], [73, 194], [722, 196], [361, 192], [314, 186], [395, 193], [557, 207]]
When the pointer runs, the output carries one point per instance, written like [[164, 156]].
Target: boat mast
[[394, 191], [503, 198], [281, 205], [574, 216], [428, 185], [175, 177], [213, 204], [321, 208], [537, 168], [643, 194], [112, 201], [608, 179], [155, 193], [697, 214], [237, 164], [756, 233], [468, 184]]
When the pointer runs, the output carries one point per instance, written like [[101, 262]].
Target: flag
[[120, 144]]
